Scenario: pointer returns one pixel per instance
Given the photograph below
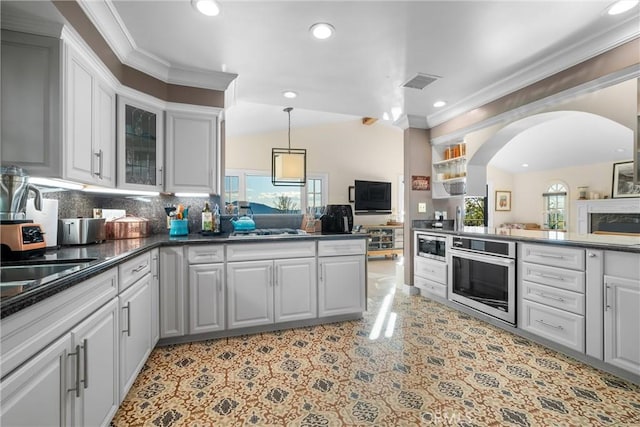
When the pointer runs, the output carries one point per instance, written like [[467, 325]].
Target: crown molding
[[581, 51], [517, 113], [108, 22], [15, 22]]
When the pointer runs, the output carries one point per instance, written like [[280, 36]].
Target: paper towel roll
[[47, 218]]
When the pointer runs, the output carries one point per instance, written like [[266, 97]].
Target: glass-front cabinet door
[[140, 146]]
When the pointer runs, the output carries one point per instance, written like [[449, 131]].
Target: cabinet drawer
[[557, 277], [342, 247], [257, 251], [556, 325], [554, 297], [430, 269], [130, 271], [553, 256], [205, 254], [430, 288]]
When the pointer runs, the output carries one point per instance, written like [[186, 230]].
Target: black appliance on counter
[[337, 219]]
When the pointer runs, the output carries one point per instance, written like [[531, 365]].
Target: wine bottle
[[207, 220]]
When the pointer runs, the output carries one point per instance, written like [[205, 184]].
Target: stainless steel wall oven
[[483, 276]]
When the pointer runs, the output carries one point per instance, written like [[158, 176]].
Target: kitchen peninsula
[[108, 312], [576, 293]]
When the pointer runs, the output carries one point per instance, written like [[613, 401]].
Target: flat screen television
[[372, 197]]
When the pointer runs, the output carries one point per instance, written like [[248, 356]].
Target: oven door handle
[[489, 259]]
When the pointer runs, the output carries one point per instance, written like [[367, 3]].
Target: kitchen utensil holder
[[179, 227]]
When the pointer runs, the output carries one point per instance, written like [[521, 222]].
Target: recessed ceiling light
[[525, 165], [621, 6], [439, 104], [322, 30], [620, 150], [289, 94], [206, 7]]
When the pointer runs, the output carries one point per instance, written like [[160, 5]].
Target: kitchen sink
[[30, 270]]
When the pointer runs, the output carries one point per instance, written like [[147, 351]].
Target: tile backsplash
[[74, 204]]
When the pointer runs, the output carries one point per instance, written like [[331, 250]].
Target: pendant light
[[289, 165]]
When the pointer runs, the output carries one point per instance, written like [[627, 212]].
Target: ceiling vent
[[420, 81]]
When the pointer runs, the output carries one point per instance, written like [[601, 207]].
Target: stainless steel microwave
[[431, 246]]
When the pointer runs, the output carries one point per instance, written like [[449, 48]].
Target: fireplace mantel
[[618, 206]]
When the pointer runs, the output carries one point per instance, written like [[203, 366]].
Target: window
[[231, 189], [555, 207], [256, 188], [314, 194], [475, 211]]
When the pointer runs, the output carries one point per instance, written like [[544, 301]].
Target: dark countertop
[[593, 241], [16, 296]]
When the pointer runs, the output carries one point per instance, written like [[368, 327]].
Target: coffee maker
[[337, 219], [20, 238]]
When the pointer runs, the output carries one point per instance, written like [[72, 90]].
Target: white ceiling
[[480, 49]]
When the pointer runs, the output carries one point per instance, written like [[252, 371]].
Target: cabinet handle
[[139, 268], [549, 276], [160, 177], [85, 353], [540, 294], [99, 156], [155, 269], [592, 255], [559, 327], [321, 267], [543, 255], [77, 355], [219, 281], [606, 297], [128, 308], [270, 276]]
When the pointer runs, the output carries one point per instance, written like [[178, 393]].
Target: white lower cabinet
[[551, 293], [250, 293], [73, 381], [342, 284], [430, 276], [172, 292], [268, 291], [621, 323], [295, 289], [135, 331], [40, 383], [155, 297], [206, 298], [95, 345]]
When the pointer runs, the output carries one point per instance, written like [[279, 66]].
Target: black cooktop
[[267, 232]]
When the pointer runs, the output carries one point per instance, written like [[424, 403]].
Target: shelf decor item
[[503, 200], [623, 185]]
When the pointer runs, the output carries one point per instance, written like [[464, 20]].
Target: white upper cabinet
[[31, 103], [192, 152], [140, 145], [89, 132]]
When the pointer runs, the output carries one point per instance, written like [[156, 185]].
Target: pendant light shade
[[288, 165]]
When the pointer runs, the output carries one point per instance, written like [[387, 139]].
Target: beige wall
[[527, 188], [345, 151]]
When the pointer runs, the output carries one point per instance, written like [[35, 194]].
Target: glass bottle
[[207, 219]]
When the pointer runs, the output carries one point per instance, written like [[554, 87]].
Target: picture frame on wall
[[503, 200], [420, 182], [622, 184]]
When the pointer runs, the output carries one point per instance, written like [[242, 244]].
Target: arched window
[[555, 207]]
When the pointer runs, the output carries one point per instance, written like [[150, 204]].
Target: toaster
[[81, 231]]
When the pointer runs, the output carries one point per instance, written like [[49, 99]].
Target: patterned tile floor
[[410, 361]]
